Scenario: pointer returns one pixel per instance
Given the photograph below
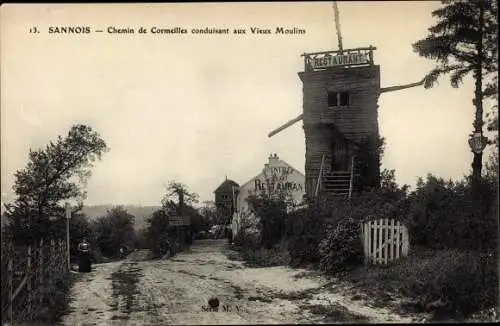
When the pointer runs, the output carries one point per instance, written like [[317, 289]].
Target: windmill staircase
[[337, 183]]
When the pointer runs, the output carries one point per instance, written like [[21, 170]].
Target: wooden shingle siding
[[354, 122]]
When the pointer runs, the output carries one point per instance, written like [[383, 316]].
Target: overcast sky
[[196, 108]]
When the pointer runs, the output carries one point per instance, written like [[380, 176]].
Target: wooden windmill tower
[[340, 116]]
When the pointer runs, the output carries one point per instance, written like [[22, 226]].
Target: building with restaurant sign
[[277, 175]]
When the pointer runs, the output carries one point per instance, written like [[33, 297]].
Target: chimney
[[273, 159]]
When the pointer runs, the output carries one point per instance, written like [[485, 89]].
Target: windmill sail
[[284, 126]]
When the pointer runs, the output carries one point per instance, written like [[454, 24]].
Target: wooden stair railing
[[351, 180], [318, 184]]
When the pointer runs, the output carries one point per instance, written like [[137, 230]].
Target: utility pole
[[181, 213], [68, 217]]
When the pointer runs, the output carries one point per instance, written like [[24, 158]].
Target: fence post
[[29, 282], [10, 274], [386, 241], [405, 241], [53, 259], [363, 240], [68, 216], [370, 241], [398, 239], [40, 271], [391, 236], [379, 249], [62, 254], [366, 237]]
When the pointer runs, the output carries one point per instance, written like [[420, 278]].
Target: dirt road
[[176, 291]]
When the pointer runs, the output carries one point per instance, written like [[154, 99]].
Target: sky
[[198, 108]]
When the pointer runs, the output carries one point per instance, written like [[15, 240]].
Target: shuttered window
[[338, 99]]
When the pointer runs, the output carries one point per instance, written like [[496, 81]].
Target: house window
[[338, 98]]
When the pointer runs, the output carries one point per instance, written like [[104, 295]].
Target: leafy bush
[[248, 237], [454, 282], [447, 215], [113, 231], [305, 229], [272, 214], [447, 282], [342, 248]]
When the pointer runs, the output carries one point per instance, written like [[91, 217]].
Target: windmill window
[[338, 98]]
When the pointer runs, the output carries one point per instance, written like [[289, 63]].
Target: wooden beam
[[400, 87], [286, 125]]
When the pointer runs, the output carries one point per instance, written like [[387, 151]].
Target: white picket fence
[[384, 240]]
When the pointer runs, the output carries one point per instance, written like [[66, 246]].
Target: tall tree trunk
[[478, 103]]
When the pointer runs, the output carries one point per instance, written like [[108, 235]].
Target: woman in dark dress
[[84, 261]]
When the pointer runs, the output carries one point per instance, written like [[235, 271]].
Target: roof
[[227, 185]]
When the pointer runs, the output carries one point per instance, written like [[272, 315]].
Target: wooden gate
[[384, 240]]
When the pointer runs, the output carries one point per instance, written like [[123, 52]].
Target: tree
[[114, 230], [176, 191], [53, 174], [197, 221], [208, 211], [142, 239], [158, 232], [464, 41]]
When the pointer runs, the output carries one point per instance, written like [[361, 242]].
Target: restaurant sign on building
[[276, 178]]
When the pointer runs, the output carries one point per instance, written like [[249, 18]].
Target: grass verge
[[276, 256], [450, 284], [56, 298]]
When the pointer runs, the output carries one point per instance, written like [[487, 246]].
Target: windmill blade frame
[[285, 125]]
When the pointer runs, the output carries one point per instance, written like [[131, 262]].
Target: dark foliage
[[305, 229], [141, 239], [157, 233], [278, 255], [55, 302], [453, 283], [341, 249], [114, 230], [447, 215], [272, 213], [368, 158]]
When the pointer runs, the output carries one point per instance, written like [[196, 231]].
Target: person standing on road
[[84, 261]]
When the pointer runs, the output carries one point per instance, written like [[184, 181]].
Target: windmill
[[340, 103]]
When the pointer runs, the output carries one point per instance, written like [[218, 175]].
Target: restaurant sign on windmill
[[323, 60]]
